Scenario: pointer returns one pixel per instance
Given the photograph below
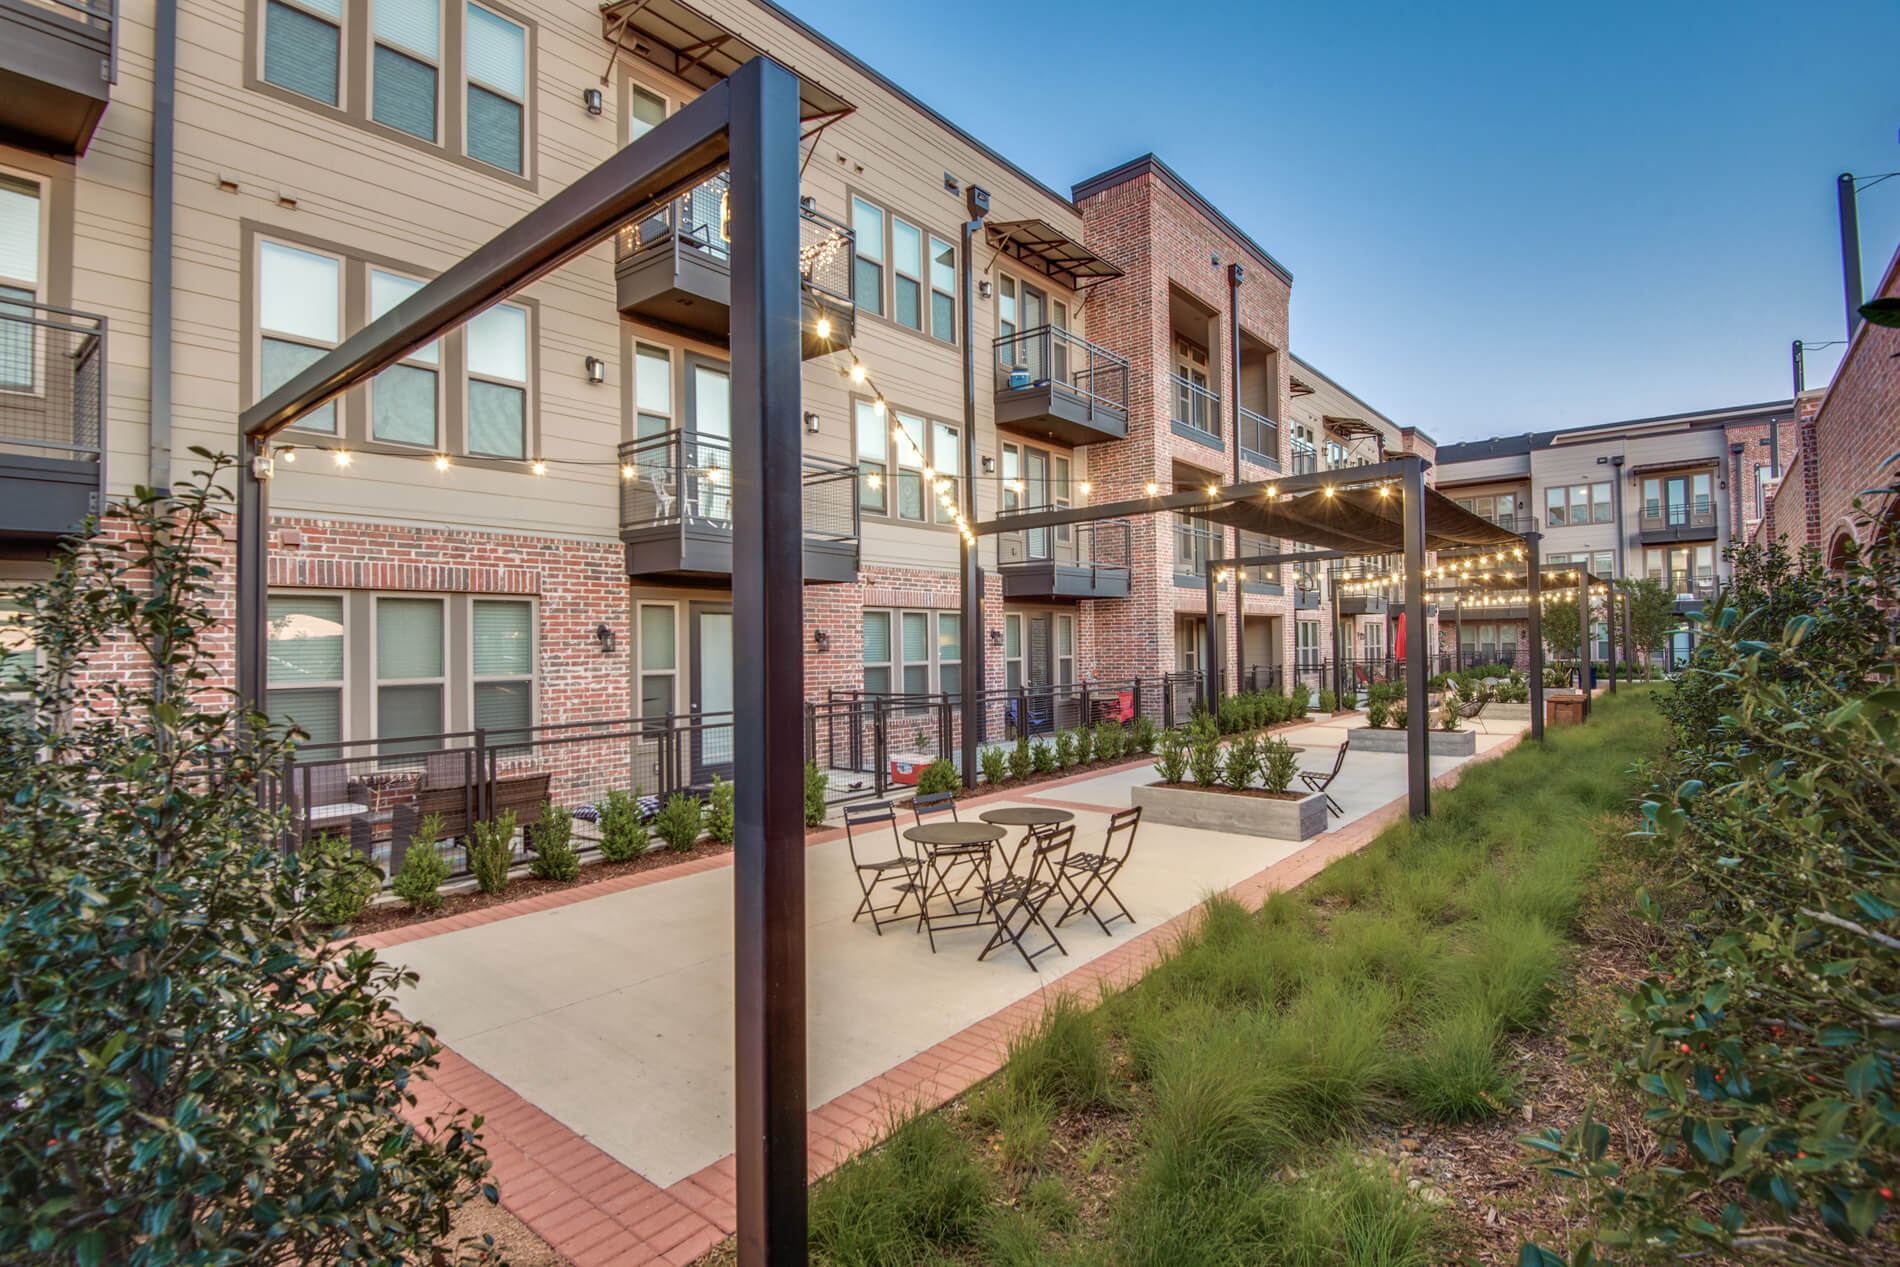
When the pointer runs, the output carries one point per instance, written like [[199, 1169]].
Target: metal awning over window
[[1041, 245], [688, 45]]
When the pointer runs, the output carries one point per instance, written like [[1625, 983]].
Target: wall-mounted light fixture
[[950, 183], [989, 465], [983, 289], [821, 639], [996, 637], [811, 423], [596, 370], [590, 97], [605, 637]]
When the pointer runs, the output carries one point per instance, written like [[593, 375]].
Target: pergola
[[1488, 578]]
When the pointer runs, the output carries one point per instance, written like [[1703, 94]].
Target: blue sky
[[1499, 218]]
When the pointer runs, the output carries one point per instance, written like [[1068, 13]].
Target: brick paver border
[[598, 1213]]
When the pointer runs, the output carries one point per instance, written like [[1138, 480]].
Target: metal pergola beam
[[751, 121]]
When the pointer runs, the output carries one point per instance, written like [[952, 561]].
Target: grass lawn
[[1213, 1113]]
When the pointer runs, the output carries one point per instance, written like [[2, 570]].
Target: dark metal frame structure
[[750, 123]]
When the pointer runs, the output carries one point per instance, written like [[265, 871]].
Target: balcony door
[[709, 456], [711, 743], [1035, 347]]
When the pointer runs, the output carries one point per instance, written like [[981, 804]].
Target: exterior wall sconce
[[605, 637], [590, 97], [596, 370], [989, 465], [983, 289], [821, 639], [811, 423], [996, 637]]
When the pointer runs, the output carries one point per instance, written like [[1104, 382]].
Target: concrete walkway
[[605, 1021]]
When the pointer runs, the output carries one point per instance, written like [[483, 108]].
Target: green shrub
[[1108, 741], [338, 881], [1204, 759], [918, 1195], [1279, 764], [1377, 714], [1400, 716], [1349, 699], [623, 832], [553, 837], [995, 766], [1231, 715], [1328, 702], [678, 822], [1063, 1060], [1084, 745], [1146, 735], [491, 852], [1172, 766], [1021, 760], [420, 878], [939, 776], [721, 812], [1042, 757], [1302, 696], [1243, 762], [1065, 749], [816, 781], [1448, 718]]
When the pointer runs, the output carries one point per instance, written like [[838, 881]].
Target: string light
[[539, 467], [1153, 488], [289, 453], [441, 461], [824, 327], [857, 372], [627, 472], [341, 457]]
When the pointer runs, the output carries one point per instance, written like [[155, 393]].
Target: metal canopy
[[689, 45], [1360, 520], [1041, 245]]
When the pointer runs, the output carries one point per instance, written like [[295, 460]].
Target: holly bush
[[1764, 1053], [189, 1075]]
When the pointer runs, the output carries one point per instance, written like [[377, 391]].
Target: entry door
[[712, 692], [1035, 316], [1676, 500]]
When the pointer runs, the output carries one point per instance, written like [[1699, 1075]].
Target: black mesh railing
[[685, 477], [1260, 436], [52, 379], [1050, 355], [1105, 543]]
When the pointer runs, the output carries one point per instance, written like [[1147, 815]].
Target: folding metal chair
[[899, 872], [932, 804], [1016, 901], [1086, 877], [1320, 782], [1469, 712]]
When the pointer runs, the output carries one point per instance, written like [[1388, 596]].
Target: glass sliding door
[[712, 692]]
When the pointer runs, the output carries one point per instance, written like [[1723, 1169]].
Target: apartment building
[[1659, 497], [529, 521]]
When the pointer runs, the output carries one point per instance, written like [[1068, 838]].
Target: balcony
[[1361, 604], [1259, 439], [1090, 561], [1305, 600], [1051, 384], [1196, 411], [52, 419], [1692, 593], [676, 510], [674, 270], [1677, 521], [57, 66], [1305, 458], [1193, 547]]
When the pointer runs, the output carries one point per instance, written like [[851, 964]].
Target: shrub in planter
[[418, 881], [553, 840], [1042, 757], [995, 765], [1349, 699], [1021, 760], [1243, 762], [816, 781], [492, 851], [1399, 716], [1108, 741], [623, 833], [939, 776], [722, 814], [1278, 764], [338, 881], [1328, 702], [1302, 699], [1377, 714], [678, 823], [1065, 749], [1172, 765], [1233, 715], [1145, 733], [1448, 718], [1204, 759], [1438, 681], [1084, 745], [1260, 708]]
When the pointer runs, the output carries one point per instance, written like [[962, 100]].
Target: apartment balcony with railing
[[1196, 412], [1664, 521], [58, 62], [1259, 438], [1058, 386], [1304, 457], [52, 418], [1691, 590], [1193, 546], [676, 510], [674, 269], [1072, 561]]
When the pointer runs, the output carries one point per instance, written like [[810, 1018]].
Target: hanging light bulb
[[1084, 486], [441, 461], [857, 371], [877, 406], [341, 457], [288, 453], [626, 472], [824, 327], [874, 480], [1152, 488], [539, 468], [712, 474]]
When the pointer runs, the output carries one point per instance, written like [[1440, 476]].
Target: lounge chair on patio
[[864, 825], [1320, 782], [1469, 712], [1016, 901], [1086, 876]]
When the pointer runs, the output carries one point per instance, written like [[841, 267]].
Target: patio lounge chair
[[1087, 876], [900, 872], [1469, 712], [1016, 901], [1320, 782]]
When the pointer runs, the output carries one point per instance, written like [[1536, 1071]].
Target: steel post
[[1534, 571], [1418, 757]]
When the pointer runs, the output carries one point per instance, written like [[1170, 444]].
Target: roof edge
[[1353, 396], [1150, 163]]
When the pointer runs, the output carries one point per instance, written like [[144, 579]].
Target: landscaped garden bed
[[1244, 787]]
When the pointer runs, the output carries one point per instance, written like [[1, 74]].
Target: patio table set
[[945, 874]]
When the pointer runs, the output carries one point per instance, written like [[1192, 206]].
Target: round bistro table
[[950, 848], [1029, 818]]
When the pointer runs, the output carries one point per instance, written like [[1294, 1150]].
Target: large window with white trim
[[911, 652], [659, 660], [305, 668], [406, 65], [21, 225], [497, 71], [502, 662], [411, 670], [300, 305], [498, 382]]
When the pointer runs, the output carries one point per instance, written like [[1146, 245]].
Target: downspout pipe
[[1735, 492], [969, 574], [164, 110], [1236, 274]]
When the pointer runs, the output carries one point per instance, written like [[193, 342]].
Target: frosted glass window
[[497, 420], [386, 290], [504, 639], [403, 405], [873, 458], [498, 343], [497, 52], [653, 382], [867, 222], [943, 290], [408, 638], [405, 93], [278, 362], [646, 114], [297, 292], [907, 246], [20, 231], [657, 638], [410, 24]]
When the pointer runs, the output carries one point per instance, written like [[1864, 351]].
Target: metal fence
[[684, 478], [52, 379]]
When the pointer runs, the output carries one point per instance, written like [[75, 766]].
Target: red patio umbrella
[[1398, 638]]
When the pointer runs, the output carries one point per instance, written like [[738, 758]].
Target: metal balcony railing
[[684, 477], [1196, 406], [824, 258], [1193, 547], [52, 379], [1305, 458], [1699, 513], [1260, 435], [1051, 355], [1107, 544]]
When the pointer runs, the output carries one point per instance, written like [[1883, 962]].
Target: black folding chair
[[1085, 877], [931, 804], [1016, 901], [1320, 782], [900, 872]]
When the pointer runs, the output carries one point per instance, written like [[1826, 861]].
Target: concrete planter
[[1441, 743], [1213, 810], [1506, 712]]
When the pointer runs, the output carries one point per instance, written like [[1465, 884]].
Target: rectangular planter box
[[1224, 811], [1441, 743], [1506, 712]]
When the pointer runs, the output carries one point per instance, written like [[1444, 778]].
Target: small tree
[[1652, 614], [187, 1075], [1560, 626]]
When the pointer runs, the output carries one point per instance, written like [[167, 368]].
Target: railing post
[[484, 790]]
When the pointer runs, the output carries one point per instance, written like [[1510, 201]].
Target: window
[[645, 113], [1065, 648], [1306, 644], [409, 671], [498, 383], [19, 280], [19, 659], [911, 461], [302, 43], [299, 306], [946, 459], [304, 664], [652, 391], [877, 653], [924, 455], [1013, 650], [915, 646], [1006, 308], [503, 662], [867, 279], [911, 652], [873, 457], [659, 659], [497, 65], [1335, 454], [1603, 563], [1578, 504], [406, 63], [907, 247], [403, 408], [943, 290], [949, 652]]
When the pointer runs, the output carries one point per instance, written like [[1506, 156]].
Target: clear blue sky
[[1498, 218]]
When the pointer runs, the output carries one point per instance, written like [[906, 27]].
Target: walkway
[[594, 1030]]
